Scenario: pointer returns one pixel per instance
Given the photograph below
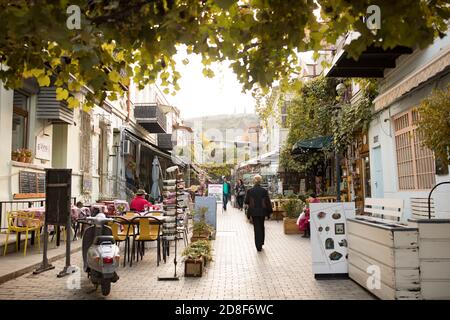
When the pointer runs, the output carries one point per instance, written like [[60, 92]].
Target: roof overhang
[[370, 64]]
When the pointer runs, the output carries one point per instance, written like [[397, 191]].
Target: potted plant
[[28, 156], [196, 256], [200, 229], [293, 207], [15, 155]]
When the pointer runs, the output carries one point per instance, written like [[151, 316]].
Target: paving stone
[[281, 271]]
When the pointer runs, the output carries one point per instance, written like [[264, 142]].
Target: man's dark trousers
[[225, 200], [258, 225]]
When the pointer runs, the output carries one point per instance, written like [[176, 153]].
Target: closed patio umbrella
[[155, 192]]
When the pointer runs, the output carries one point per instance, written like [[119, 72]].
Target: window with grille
[[415, 162]]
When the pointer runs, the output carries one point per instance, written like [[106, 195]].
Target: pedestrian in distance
[[240, 193], [226, 192], [259, 207]]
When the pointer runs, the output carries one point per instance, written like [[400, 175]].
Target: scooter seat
[[99, 239]]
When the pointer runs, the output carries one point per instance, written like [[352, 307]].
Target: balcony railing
[[151, 117]]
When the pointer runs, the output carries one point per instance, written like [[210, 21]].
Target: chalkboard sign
[[31, 182], [58, 196]]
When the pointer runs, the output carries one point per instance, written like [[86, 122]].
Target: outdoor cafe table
[[161, 218], [39, 213]]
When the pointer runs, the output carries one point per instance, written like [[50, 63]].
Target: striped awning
[[434, 67]]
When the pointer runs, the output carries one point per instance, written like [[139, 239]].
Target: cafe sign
[[43, 148]]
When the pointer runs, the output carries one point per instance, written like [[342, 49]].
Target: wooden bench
[[383, 209], [277, 208], [327, 199], [419, 208]]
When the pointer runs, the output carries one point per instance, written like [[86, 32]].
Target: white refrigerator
[[328, 223]]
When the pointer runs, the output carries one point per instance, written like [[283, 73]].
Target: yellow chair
[[122, 230], [149, 230], [19, 222], [130, 214]]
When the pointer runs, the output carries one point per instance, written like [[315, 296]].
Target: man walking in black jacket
[[259, 207]]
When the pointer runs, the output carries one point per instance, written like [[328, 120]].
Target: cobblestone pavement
[[281, 271]]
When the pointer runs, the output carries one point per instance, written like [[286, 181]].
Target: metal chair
[[22, 221], [149, 230]]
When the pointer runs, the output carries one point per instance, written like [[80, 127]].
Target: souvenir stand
[[173, 187]]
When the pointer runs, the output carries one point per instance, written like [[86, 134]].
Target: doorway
[[377, 191]]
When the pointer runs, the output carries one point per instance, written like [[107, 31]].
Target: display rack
[[175, 183]]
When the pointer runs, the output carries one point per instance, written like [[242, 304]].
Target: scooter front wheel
[[106, 287]]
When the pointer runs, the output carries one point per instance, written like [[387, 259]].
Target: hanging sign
[[43, 148]]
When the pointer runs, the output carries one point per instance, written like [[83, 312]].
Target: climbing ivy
[[315, 111], [352, 119]]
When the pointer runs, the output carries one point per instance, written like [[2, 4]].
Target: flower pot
[[22, 159], [290, 226], [193, 267], [28, 159]]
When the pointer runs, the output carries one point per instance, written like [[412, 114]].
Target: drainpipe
[[128, 105]]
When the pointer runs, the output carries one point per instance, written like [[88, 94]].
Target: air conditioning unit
[[126, 147]]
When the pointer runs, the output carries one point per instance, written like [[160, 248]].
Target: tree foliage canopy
[[434, 123], [137, 39]]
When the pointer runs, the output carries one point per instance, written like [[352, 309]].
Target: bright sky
[[202, 96]]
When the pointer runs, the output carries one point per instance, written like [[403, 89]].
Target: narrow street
[[281, 271]]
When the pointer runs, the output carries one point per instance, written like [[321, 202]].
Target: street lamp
[[256, 129]]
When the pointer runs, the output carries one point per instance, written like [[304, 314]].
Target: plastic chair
[[122, 230], [19, 222], [149, 230], [130, 214]]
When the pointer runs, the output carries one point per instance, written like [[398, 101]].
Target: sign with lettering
[[43, 148], [216, 190], [31, 182]]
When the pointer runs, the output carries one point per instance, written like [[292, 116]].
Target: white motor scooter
[[100, 253]]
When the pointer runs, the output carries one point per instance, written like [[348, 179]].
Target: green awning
[[314, 144]]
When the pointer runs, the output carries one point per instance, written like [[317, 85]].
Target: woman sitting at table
[[139, 203]]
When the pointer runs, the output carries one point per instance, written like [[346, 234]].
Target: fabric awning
[[314, 144]]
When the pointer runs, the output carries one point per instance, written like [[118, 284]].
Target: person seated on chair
[[139, 202]]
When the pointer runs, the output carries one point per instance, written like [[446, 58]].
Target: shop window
[[20, 121], [415, 162]]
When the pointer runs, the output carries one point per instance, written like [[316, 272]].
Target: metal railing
[[14, 205]]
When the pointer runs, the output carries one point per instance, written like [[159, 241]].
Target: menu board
[[31, 182], [328, 222]]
